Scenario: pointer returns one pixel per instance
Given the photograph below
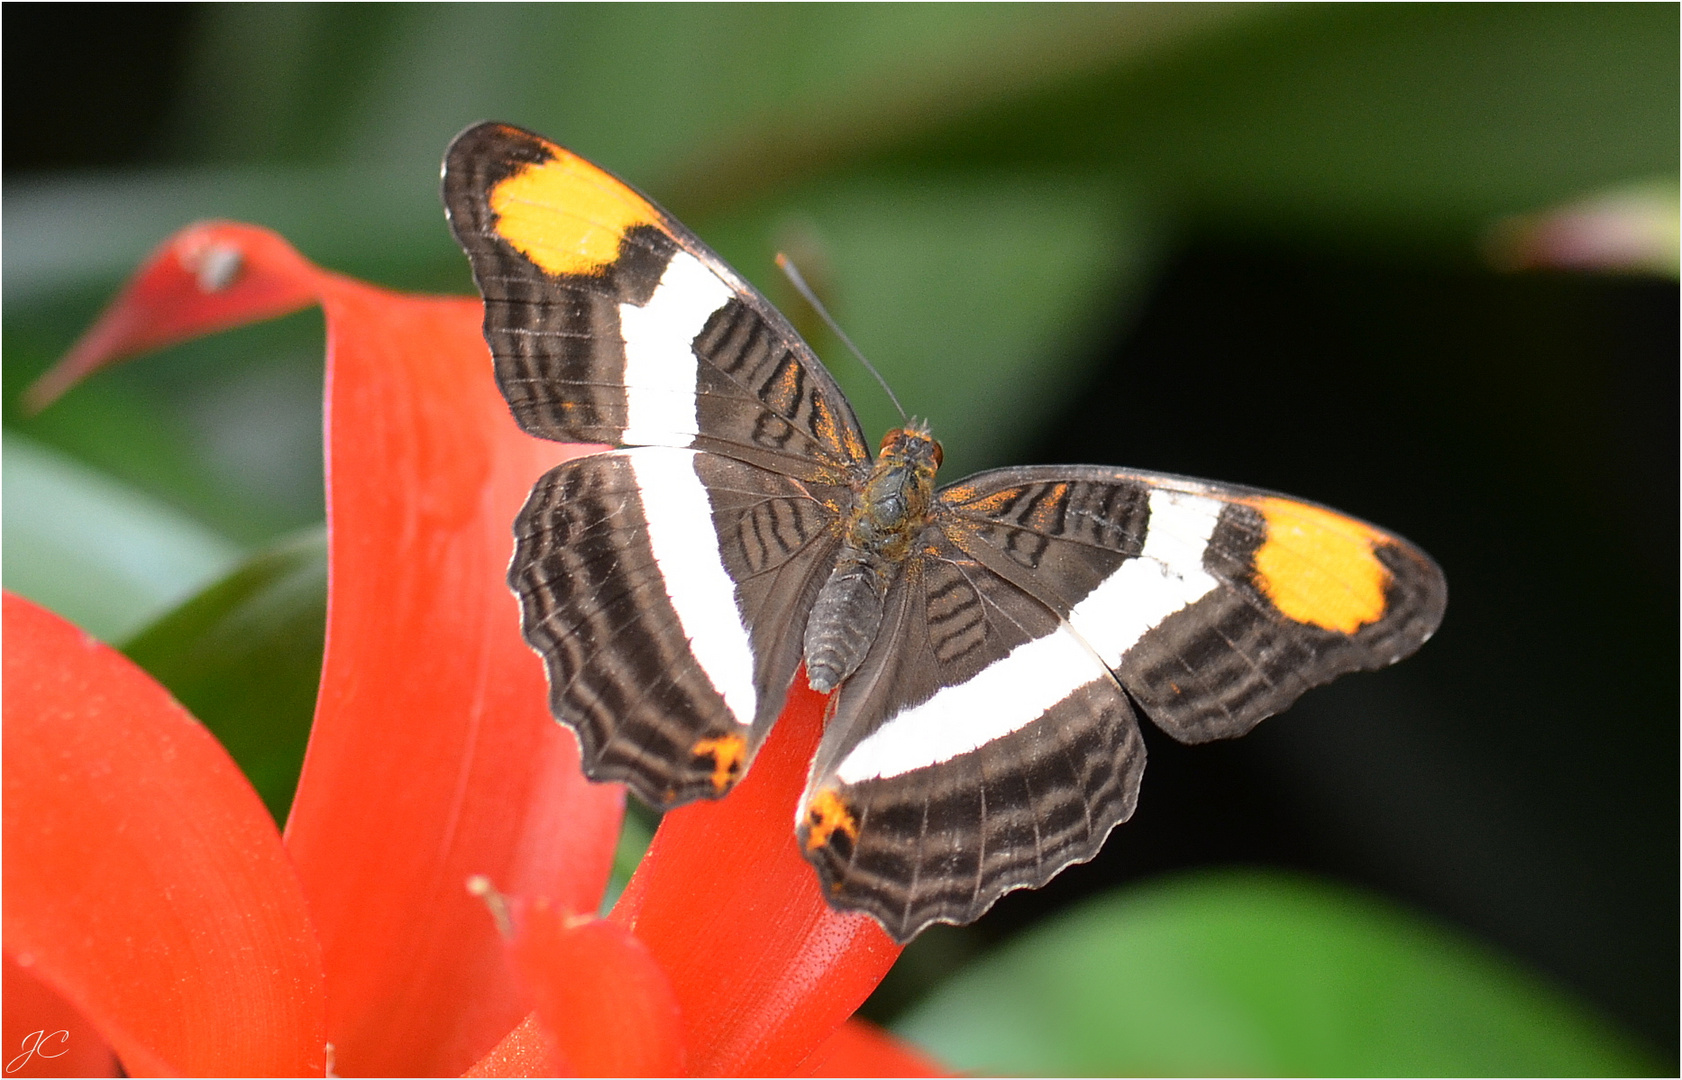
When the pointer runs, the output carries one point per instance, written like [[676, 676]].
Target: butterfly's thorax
[[891, 511]]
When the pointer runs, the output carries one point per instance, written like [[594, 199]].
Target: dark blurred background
[[1418, 263]]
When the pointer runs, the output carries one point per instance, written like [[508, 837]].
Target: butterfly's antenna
[[786, 265]]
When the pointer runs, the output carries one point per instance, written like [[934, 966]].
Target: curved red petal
[[528, 1050], [600, 995], [45, 1035], [143, 878], [433, 756], [860, 1048], [764, 969], [211, 276]]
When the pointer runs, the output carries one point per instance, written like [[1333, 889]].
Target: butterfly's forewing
[[1224, 604], [610, 322], [1213, 606], [947, 775], [666, 585]]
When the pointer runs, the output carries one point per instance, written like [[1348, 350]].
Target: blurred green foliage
[[980, 192], [982, 187], [1249, 973], [103, 553], [244, 656]]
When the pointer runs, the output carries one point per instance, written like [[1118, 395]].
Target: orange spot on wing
[[826, 815], [1045, 514], [728, 752], [788, 387], [831, 432], [992, 503], [1319, 567], [566, 215]]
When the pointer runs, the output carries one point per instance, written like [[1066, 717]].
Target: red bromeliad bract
[[149, 900]]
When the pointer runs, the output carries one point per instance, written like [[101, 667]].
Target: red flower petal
[[45, 1035], [528, 1050], [600, 994], [143, 878], [432, 757], [860, 1048], [764, 969], [207, 277]]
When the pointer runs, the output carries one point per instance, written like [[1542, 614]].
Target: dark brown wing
[[946, 776], [987, 742], [610, 322], [666, 587], [666, 591], [1215, 605]]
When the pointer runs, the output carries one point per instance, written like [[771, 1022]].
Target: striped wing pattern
[[583, 355], [1218, 654], [1087, 593], [946, 808], [989, 739], [669, 651], [624, 668]]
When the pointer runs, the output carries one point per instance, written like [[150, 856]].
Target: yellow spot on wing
[[727, 752], [826, 815], [1319, 567], [566, 215]]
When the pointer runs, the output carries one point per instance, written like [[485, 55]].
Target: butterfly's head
[[912, 444]]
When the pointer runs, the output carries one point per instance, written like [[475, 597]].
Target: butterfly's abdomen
[[843, 623], [892, 509]]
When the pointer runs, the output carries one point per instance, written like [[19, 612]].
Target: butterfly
[[988, 645]]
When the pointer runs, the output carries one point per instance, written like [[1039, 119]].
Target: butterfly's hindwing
[[946, 776], [653, 582], [942, 844], [777, 538]]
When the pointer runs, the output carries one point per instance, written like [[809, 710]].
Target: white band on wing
[[1020, 687], [661, 369], [685, 544]]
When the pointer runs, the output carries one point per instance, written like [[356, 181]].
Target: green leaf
[[1409, 124], [1258, 973], [102, 554], [244, 656], [636, 832], [647, 89]]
